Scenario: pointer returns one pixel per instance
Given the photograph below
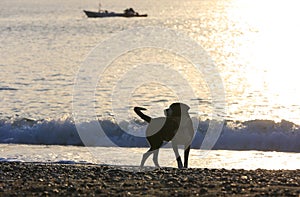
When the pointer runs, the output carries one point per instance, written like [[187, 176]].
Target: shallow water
[[130, 157]]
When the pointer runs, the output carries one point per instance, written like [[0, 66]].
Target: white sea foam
[[263, 135]]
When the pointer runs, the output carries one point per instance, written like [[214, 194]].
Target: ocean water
[[45, 46], [129, 158]]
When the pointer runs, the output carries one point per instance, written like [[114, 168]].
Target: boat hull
[[91, 14]]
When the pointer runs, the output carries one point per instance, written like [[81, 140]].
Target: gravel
[[50, 179]]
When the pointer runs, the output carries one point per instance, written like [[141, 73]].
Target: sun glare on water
[[271, 55]]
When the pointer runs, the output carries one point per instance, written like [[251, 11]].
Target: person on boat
[[100, 10], [129, 12], [99, 7]]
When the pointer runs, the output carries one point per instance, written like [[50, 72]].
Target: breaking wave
[[265, 135]]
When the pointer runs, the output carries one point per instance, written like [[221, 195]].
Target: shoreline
[[50, 179]]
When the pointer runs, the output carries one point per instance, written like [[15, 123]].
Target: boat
[[104, 13]]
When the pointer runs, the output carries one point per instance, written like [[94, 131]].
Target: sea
[[68, 83]]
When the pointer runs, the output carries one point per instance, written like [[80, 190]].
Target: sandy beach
[[50, 179]]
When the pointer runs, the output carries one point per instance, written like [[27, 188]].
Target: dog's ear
[[184, 107]]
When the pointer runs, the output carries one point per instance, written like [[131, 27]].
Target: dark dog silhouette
[[177, 127]]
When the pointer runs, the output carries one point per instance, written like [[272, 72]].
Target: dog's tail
[[138, 110]]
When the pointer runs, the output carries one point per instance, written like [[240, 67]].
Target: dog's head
[[177, 109]]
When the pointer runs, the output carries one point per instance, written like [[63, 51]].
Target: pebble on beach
[[47, 179]]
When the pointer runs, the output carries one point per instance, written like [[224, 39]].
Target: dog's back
[[162, 129], [175, 128], [155, 125]]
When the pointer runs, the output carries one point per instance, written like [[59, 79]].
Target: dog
[[176, 127]]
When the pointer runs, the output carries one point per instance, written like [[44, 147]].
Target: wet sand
[[49, 179]]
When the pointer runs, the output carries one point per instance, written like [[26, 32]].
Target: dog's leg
[[145, 157], [154, 149], [178, 158], [186, 156], [155, 158]]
